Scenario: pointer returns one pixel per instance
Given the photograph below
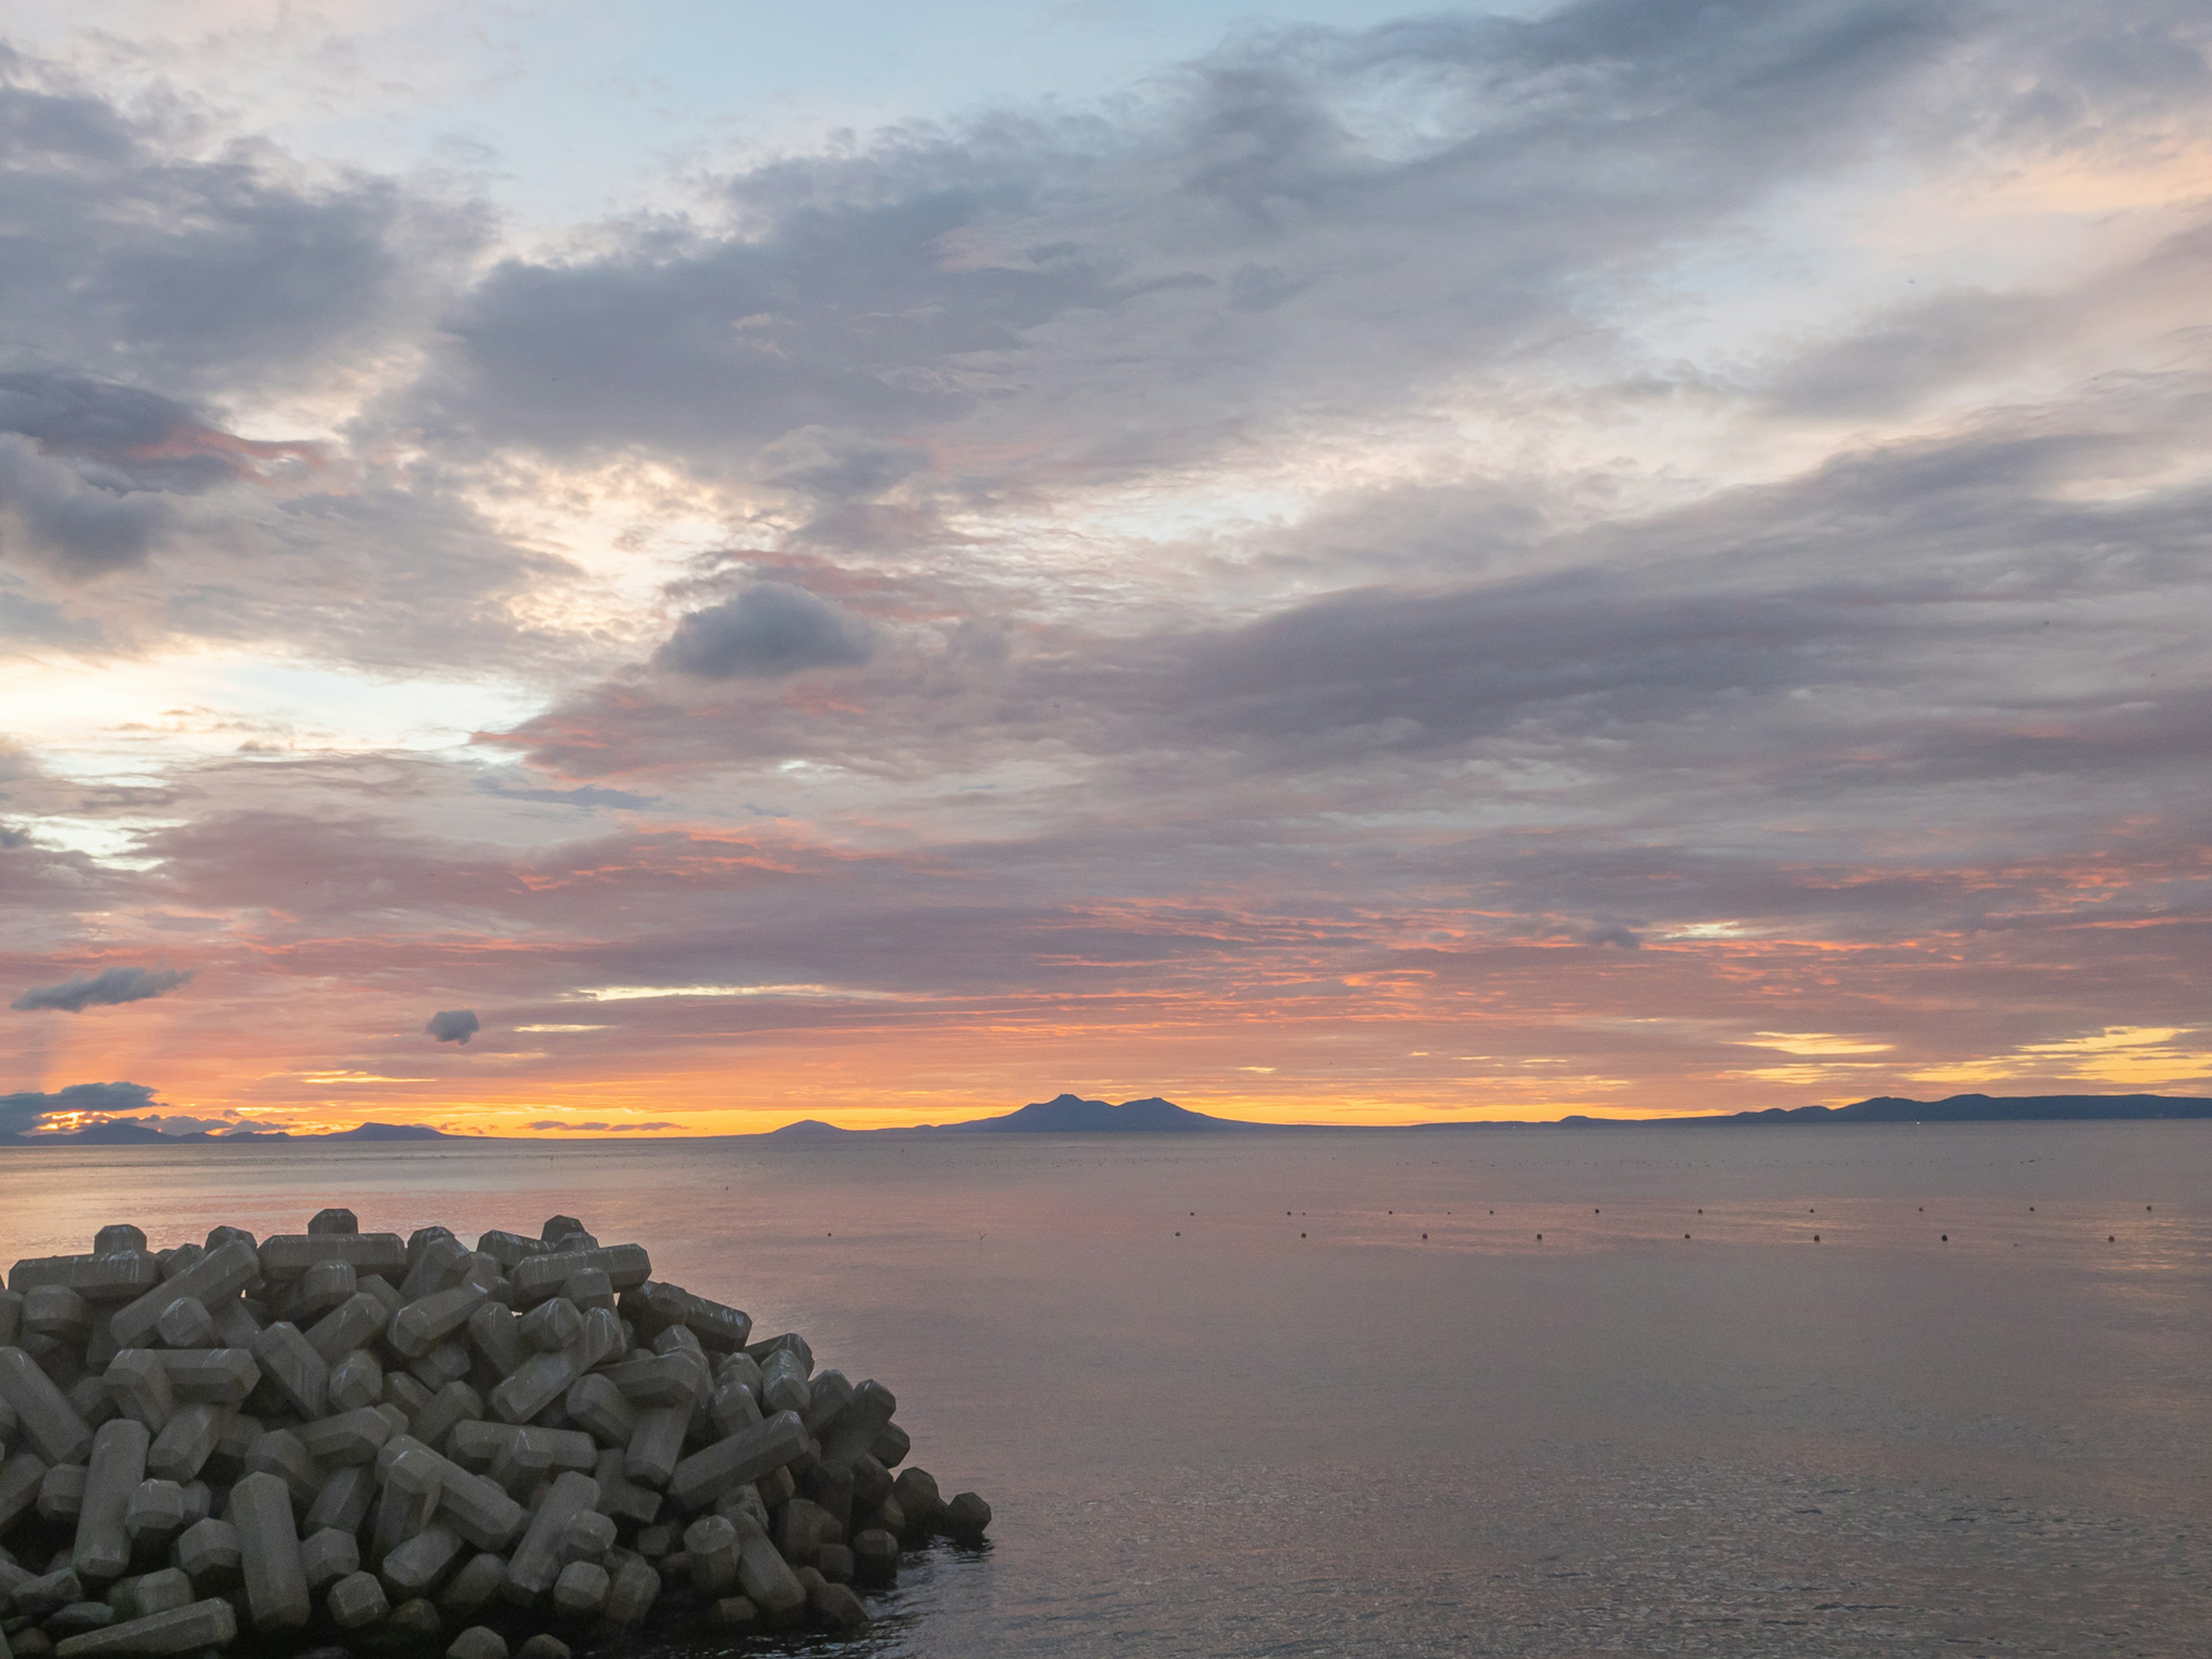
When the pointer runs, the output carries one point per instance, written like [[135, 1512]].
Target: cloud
[[453, 1026], [108, 988], [770, 630], [28, 1110]]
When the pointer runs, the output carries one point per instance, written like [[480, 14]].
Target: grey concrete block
[[587, 1537], [80, 1616], [665, 1379], [544, 1645], [11, 1317], [46, 1421], [327, 1555], [287, 1256], [155, 1514], [764, 1576], [446, 1363], [326, 1222], [138, 1383], [227, 1461], [477, 1642], [596, 1403], [858, 1426], [88, 1398], [46, 1596], [354, 1436], [743, 1500], [536, 1561], [559, 1226], [404, 1392], [875, 1558], [420, 1564], [835, 1563], [354, 1322], [20, 1478], [541, 1276], [386, 1292], [872, 1484], [748, 1455], [965, 1518], [61, 1494], [580, 1590], [193, 1629], [475, 1588], [508, 1249], [425, 1323], [472, 1505], [95, 1277], [441, 1264], [118, 1464], [802, 1528], [494, 1333], [342, 1501], [184, 1323], [293, 1366], [784, 1384], [224, 1271], [269, 1549], [891, 1446], [711, 1544], [837, 1608], [236, 1326], [326, 1285], [280, 1453], [552, 1325], [657, 1446], [357, 1601], [621, 1497], [734, 1406], [162, 1592], [355, 1382], [118, 1239], [454, 1404], [174, 1261], [915, 1489], [412, 1483], [414, 1627], [208, 1551], [832, 1392], [590, 1288]]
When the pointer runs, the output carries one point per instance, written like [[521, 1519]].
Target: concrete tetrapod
[[339, 1432]]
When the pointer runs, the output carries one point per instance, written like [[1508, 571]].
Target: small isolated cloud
[[1610, 932], [29, 1108], [453, 1026], [107, 987], [771, 628]]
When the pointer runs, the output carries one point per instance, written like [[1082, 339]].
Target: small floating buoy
[[1425, 1237], [1301, 1235], [1947, 1238], [1539, 1238], [1816, 1238]]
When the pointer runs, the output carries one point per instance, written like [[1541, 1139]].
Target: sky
[[669, 568]]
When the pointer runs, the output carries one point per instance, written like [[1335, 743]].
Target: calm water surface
[[1226, 1398]]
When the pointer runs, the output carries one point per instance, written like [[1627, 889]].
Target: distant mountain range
[[1063, 1114], [122, 1132], [1072, 1114]]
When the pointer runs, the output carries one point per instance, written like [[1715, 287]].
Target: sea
[[1845, 1389]]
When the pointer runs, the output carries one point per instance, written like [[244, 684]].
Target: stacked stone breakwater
[[403, 1445]]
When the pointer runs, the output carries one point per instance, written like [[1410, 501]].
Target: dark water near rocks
[[1242, 1441]]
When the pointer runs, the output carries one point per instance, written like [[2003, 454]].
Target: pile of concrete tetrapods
[[338, 1439]]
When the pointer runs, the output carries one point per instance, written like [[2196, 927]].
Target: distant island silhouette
[[1070, 1114]]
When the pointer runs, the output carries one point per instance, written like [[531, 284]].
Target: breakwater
[[340, 1438]]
